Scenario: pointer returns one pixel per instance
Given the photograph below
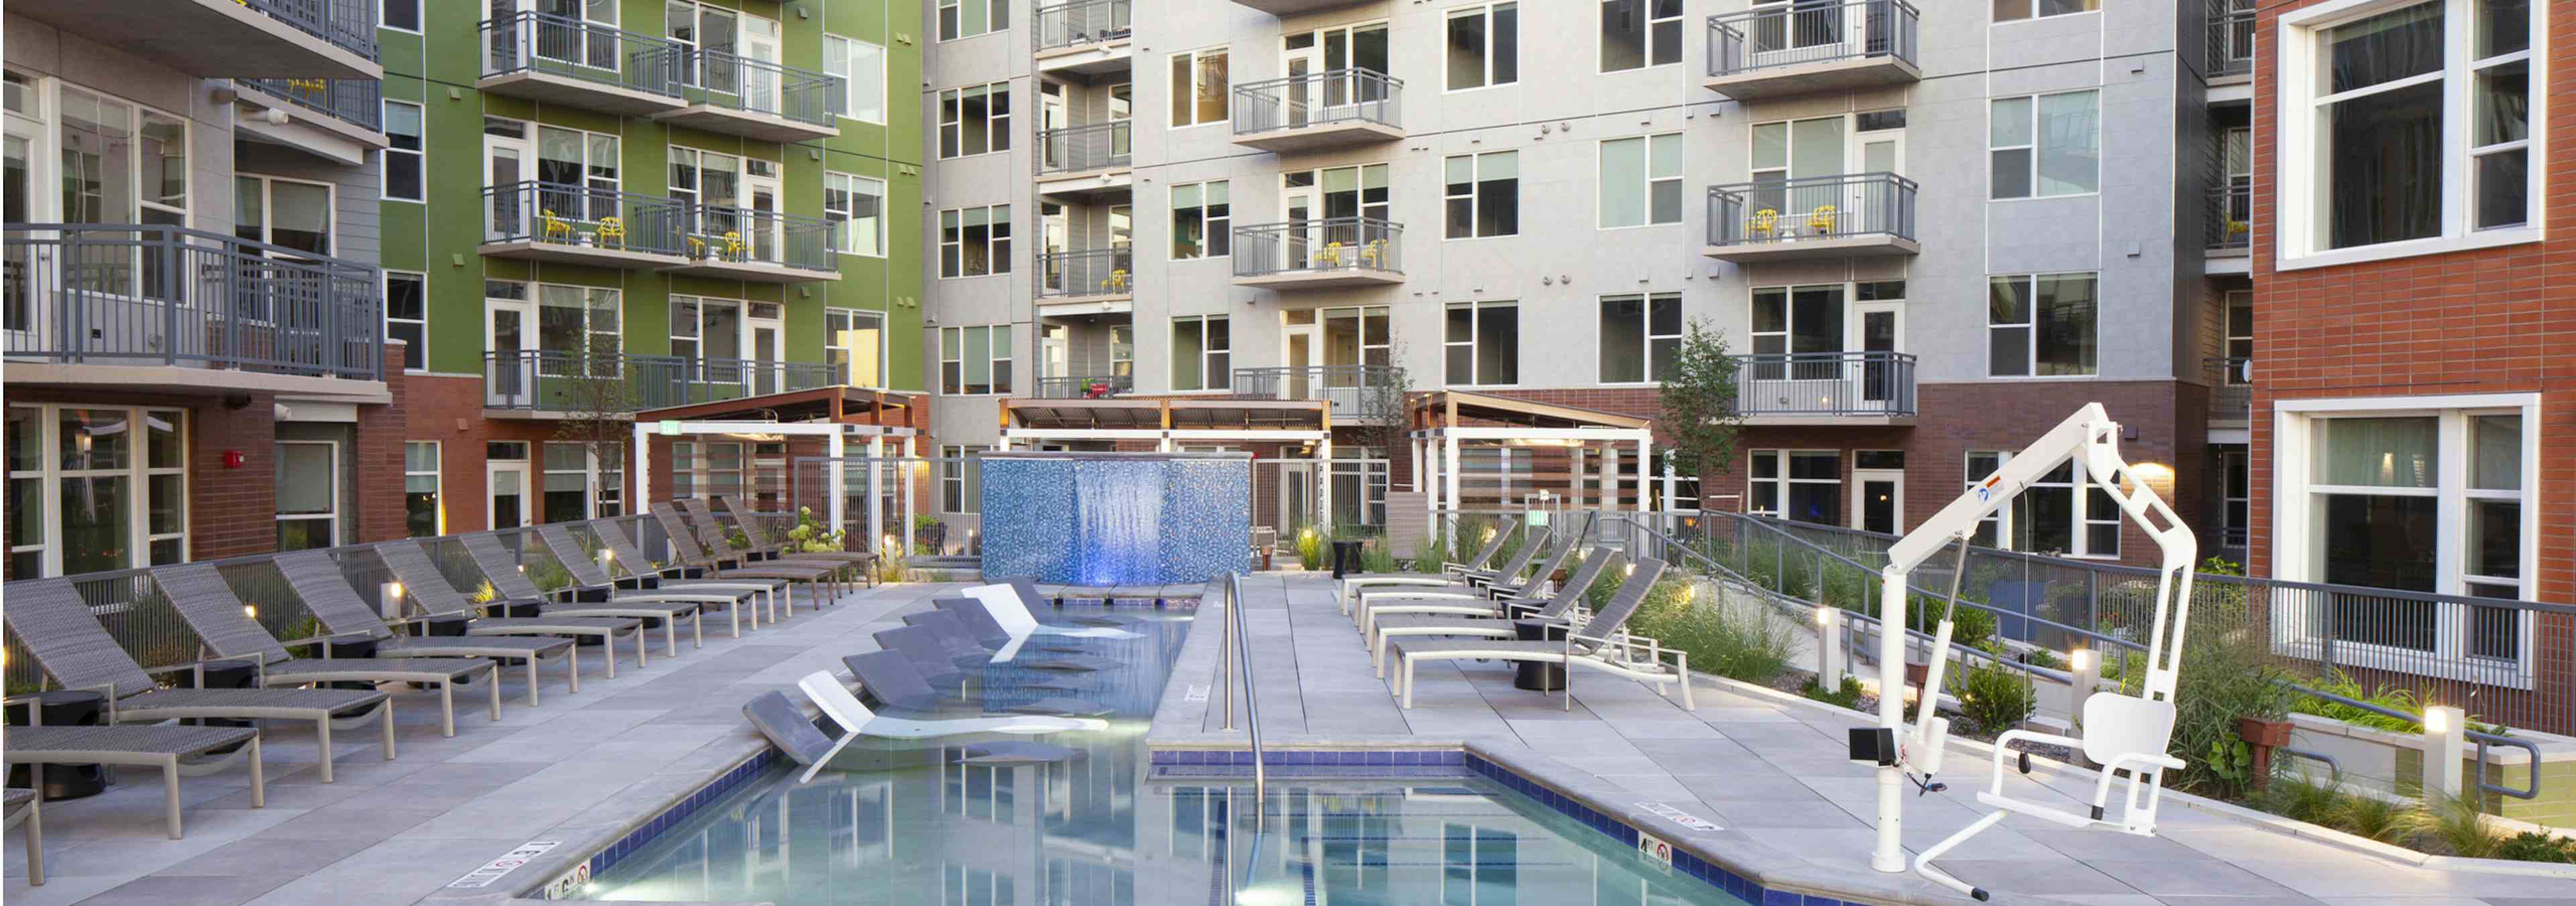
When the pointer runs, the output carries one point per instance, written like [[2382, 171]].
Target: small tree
[[1699, 404], [599, 403]]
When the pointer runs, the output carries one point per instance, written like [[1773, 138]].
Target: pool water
[[908, 825]]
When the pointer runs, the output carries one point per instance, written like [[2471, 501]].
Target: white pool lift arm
[[2121, 732]]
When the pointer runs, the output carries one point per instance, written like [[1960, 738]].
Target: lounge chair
[[953, 637], [755, 527], [1449, 572], [929, 658], [623, 556], [845, 709], [791, 731], [1375, 607], [1599, 644], [823, 579], [718, 542], [224, 626], [317, 579], [1004, 603], [24, 805], [1496, 623], [891, 680], [425, 586], [169, 748], [588, 577], [988, 632], [1027, 588], [57, 627], [506, 576], [1465, 588]]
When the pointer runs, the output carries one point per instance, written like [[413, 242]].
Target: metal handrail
[[2483, 739], [1087, 147], [358, 102], [1825, 383], [1085, 386], [574, 48], [1072, 273], [1233, 663], [551, 380], [1079, 22], [739, 235], [1352, 95], [563, 214], [1322, 244], [735, 82], [148, 293], [348, 24], [1367, 392], [1811, 207], [1810, 31]]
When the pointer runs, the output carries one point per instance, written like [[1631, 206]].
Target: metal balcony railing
[[1086, 387], [2231, 216], [1813, 31], [359, 102], [1367, 392], [128, 294], [348, 24], [1087, 272], [1075, 149], [579, 216], [1811, 207], [588, 51], [720, 79], [2231, 389], [743, 235], [1825, 384], [548, 380], [1076, 23], [1316, 99], [1330, 244], [2231, 37]]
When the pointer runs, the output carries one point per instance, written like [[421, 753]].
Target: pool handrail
[[1232, 642]]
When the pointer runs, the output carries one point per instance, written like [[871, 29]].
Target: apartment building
[[1927, 232]]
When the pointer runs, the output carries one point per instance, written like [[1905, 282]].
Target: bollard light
[[251, 611], [1824, 615], [2081, 659], [2436, 719]]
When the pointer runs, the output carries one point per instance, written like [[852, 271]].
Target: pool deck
[[1771, 771]]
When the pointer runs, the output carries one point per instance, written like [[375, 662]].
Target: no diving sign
[[509, 862]]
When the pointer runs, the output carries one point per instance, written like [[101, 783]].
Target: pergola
[[1443, 422], [838, 415], [1168, 423]]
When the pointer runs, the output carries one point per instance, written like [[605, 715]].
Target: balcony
[[1319, 254], [2231, 216], [731, 243], [1087, 281], [2231, 392], [754, 99], [1825, 388], [1843, 216], [164, 307], [356, 102], [1086, 387], [1089, 37], [1341, 108], [1084, 160], [553, 382], [561, 60], [1358, 393], [339, 120], [1812, 47], [2231, 40], [324, 39], [563, 224]]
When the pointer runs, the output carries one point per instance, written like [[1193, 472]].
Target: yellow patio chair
[[611, 230], [556, 229], [1117, 282], [1822, 221], [697, 247], [1331, 256], [1765, 222], [733, 245], [1373, 253]]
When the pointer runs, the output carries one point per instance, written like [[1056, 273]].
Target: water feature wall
[[1104, 519]]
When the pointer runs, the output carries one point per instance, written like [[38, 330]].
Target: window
[[580, 174], [1202, 353], [961, 480], [857, 203], [1484, 46], [1202, 220], [708, 332], [2236, 498], [401, 15], [308, 494], [577, 331], [1484, 194], [2050, 516], [422, 517], [2044, 145], [2041, 325], [1352, 337], [581, 482], [407, 316], [2017, 10], [1797, 485], [975, 360], [402, 158], [858, 71], [1640, 335], [74, 475], [283, 212], [118, 163], [968, 18], [975, 120], [1794, 321], [1639, 33], [704, 178], [975, 242], [1199, 92], [1483, 343], [854, 343], [2240, 337], [1641, 181]]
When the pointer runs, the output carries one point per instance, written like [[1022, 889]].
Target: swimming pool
[[913, 824]]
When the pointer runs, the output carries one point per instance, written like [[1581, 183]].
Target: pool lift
[[2120, 731]]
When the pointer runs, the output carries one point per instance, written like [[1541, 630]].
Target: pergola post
[[1324, 482], [1645, 454], [1449, 471], [1417, 466], [839, 485], [643, 471], [876, 499], [904, 486]]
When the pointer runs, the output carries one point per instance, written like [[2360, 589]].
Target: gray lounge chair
[[624, 557], [1601, 643], [787, 728], [1037, 603], [207, 603], [824, 579], [928, 657], [713, 536], [953, 638], [317, 579], [1463, 587], [1352, 586], [503, 571], [1488, 600], [1497, 623], [756, 527], [25, 806], [56, 626], [891, 679], [588, 577], [427, 588], [169, 748], [987, 631]]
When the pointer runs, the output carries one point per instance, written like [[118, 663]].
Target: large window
[[975, 360], [1202, 220], [2063, 512], [1482, 342], [587, 160], [402, 157], [708, 334], [88, 491], [1639, 33], [858, 71], [422, 517], [975, 120], [1484, 46], [1641, 181], [2041, 325], [968, 18], [975, 242], [1640, 335], [1199, 92], [1202, 352], [857, 203], [117, 162], [1789, 320], [961, 480], [407, 316], [1798, 485], [285, 212], [2047, 144], [1483, 194], [854, 343], [308, 494], [577, 329], [581, 482], [2017, 10]]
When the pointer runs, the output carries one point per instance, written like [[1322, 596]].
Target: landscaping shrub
[[1310, 548], [2390, 697], [1846, 696], [1992, 696], [2222, 680], [2530, 846], [2442, 826], [1376, 558], [1737, 643]]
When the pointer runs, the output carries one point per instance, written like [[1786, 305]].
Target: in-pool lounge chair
[[988, 632], [507, 577], [845, 709], [822, 579], [1497, 623], [588, 577], [50, 618], [1027, 587], [1004, 603], [170, 748], [1599, 644], [202, 597], [426, 587], [891, 680], [17, 806], [317, 579], [623, 556], [1459, 588], [954, 638], [1376, 606], [756, 528], [1354, 584]]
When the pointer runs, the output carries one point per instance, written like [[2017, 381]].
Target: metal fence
[[348, 24], [588, 51], [161, 295], [358, 102], [1087, 386], [1086, 272], [1077, 23], [1356, 392], [746, 235], [1793, 34], [735, 82], [582, 216], [1811, 207], [1825, 383], [545, 380], [1329, 244], [2231, 216], [2231, 389], [1319, 99], [2231, 37], [1077, 149]]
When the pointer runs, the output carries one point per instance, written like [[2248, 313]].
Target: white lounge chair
[[1004, 603], [845, 709]]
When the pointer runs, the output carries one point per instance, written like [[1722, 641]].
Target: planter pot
[[1916, 674], [2268, 734]]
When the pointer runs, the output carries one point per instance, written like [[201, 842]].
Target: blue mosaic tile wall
[[1105, 521]]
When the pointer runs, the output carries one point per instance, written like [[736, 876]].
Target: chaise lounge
[[1599, 644], [223, 623], [317, 579], [424, 584]]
